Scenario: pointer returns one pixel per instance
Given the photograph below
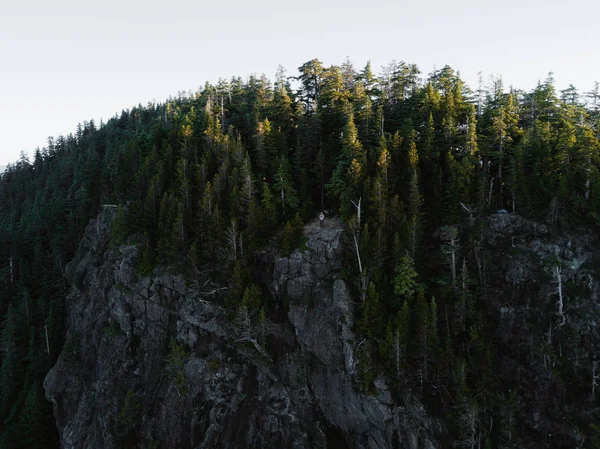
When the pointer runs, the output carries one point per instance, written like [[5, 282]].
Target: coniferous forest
[[410, 162]]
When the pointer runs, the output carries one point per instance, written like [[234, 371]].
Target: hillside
[[158, 271]]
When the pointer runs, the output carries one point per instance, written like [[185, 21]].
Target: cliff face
[[160, 362], [542, 290], [150, 360]]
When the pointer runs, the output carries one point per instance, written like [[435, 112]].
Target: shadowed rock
[[294, 389]]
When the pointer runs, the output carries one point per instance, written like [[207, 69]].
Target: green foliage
[[146, 262], [252, 299], [288, 239], [302, 246], [118, 229], [150, 443], [268, 205], [366, 373], [405, 281], [285, 191], [176, 362], [214, 365], [207, 188], [129, 414], [395, 348], [237, 285], [291, 236], [371, 323], [346, 182], [595, 435], [112, 330]]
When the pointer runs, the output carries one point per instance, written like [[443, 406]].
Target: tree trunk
[[47, 342]]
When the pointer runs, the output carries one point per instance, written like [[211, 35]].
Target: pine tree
[[282, 108], [286, 194], [414, 214], [261, 151], [456, 189], [414, 155], [405, 281], [183, 181], [368, 79], [268, 206], [345, 184], [247, 189], [397, 340], [371, 324], [118, 229], [310, 77]]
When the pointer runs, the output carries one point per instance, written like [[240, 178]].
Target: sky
[[64, 61]]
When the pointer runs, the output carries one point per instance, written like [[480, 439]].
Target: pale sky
[[66, 61]]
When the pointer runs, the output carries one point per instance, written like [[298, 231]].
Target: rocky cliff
[[156, 362], [541, 289]]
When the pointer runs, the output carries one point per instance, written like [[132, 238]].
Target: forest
[[407, 160]]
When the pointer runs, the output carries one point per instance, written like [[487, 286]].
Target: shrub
[[129, 414], [176, 365], [118, 229], [146, 262]]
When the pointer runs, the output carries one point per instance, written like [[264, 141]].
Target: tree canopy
[[207, 177]]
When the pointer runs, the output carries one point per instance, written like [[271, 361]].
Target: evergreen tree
[[285, 191], [345, 184], [201, 179]]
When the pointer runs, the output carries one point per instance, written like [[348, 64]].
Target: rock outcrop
[[156, 362], [150, 361], [542, 289]]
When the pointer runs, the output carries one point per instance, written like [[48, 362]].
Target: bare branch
[[256, 345]]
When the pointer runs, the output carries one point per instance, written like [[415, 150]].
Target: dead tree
[[232, 237], [47, 342], [464, 275], [356, 234], [398, 352], [470, 211], [467, 421], [557, 274], [450, 235], [594, 379]]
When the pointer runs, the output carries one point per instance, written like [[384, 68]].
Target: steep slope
[[542, 293], [152, 360], [157, 361]]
